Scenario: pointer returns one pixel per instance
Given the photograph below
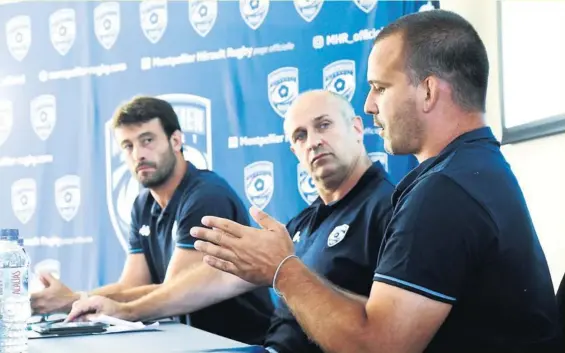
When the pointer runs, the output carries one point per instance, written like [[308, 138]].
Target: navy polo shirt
[[339, 242], [157, 232], [461, 234]]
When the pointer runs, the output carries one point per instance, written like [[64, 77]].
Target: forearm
[[336, 320], [192, 290], [130, 294]]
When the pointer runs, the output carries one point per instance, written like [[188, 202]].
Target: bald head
[[321, 101]]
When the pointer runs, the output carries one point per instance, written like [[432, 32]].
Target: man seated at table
[[175, 198], [338, 236]]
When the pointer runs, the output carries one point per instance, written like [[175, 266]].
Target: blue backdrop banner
[[230, 69]]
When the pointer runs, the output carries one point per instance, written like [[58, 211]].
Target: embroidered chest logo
[[337, 235], [144, 230], [296, 237]]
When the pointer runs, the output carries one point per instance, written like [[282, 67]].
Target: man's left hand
[[249, 253]]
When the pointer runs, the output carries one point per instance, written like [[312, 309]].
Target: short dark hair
[[142, 109], [444, 44]]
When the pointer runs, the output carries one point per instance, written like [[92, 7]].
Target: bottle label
[[13, 282]]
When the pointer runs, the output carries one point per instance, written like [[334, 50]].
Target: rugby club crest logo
[[24, 199], [306, 186], [107, 23], [43, 113], [67, 196], [259, 183], [308, 9], [254, 12], [18, 36], [283, 88], [154, 17], [63, 30], [339, 77], [366, 5], [202, 15], [6, 120]]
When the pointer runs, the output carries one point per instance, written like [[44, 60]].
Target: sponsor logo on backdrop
[[260, 141], [283, 88], [153, 19], [254, 12], [107, 23], [6, 120], [202, 15], [195, 119], [308, 9], [80, 71], [320, 41], [62, 30], [259, 183], [339, 77], [43, 113], [18, 36], [24, 199], [306, 186], [366, 5], [122, 188], [12, 80], [67, 196], [380, 157]]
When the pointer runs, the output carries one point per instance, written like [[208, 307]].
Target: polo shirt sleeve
[[134, 237], [435, 239], [208, 202]]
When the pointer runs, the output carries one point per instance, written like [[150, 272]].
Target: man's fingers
[[221, 265], [230, 227], [215, 251], [263, 219], [47, 279], [216, 236]]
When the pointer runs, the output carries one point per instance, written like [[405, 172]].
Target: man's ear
[[429, 93], [176, 140], [358, 127]]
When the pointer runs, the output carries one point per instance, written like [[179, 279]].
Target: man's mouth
[[317, 157]]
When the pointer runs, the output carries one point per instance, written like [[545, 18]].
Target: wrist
[[287, 269], [127, 312]]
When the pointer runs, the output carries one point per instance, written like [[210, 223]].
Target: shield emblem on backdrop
[[154, 17], [62, 30], [107, 23], [306, 186], [381, 157], [308, 9], [254, 12], [259, 183], [195, 119], [283, 88], [18, 36], [67, 196], [6, 120], [43, 113], [121, 187], [339, 77], [24, 199], [366, 5], [202, 15]]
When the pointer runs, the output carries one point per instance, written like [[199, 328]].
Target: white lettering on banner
[[245, 141], [12, 80], [148, 63], [79, 71], [319, 41], [56, 241], [27, 161], [371, 131]]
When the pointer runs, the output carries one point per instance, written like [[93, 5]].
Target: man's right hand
[[97, 305], [55, 298]]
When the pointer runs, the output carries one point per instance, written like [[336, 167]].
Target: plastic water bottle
[[15, 307]]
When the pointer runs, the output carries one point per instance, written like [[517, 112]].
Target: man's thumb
[[47, 279], [263, 219]]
